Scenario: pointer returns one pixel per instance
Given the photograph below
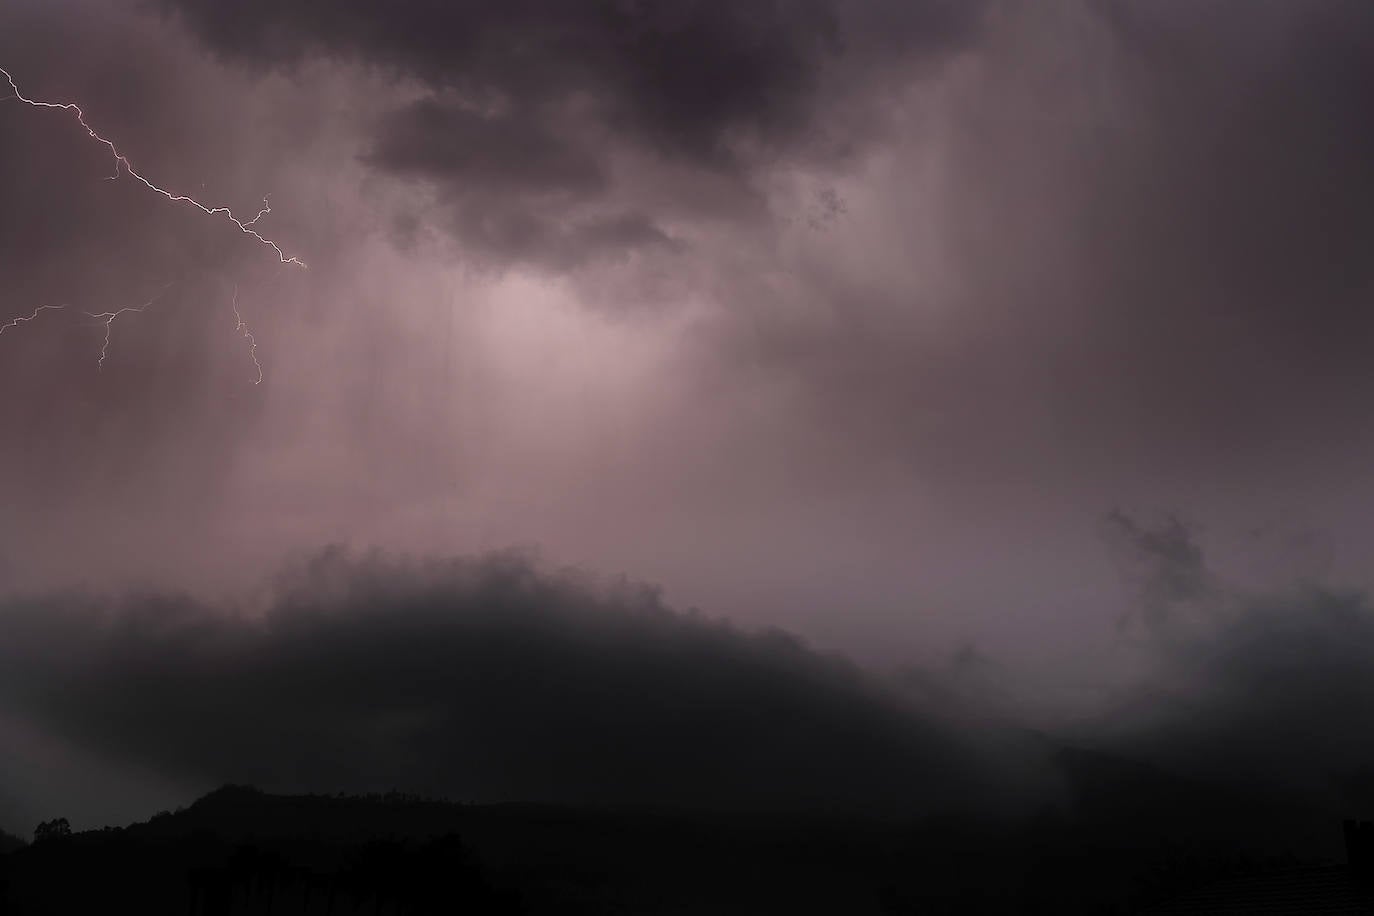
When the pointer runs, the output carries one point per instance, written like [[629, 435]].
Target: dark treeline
[[223, 857], [1130, 839]]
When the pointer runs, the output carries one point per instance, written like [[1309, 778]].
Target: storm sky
[[943, 334]]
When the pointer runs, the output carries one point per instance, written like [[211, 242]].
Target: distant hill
[[181, 863], [1127, 836]]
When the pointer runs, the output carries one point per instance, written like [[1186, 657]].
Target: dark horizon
[[240, 850]]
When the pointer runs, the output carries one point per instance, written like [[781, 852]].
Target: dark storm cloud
[[1226, 228], [1254, 204], [534, 97], [504, 152], [1106, 250], [477, 679], [1152, 251], [499, 176], [678, 75], [1268, 688]]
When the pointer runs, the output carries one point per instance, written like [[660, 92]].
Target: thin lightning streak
[[242, 328], [15, 322], [109, 318], [121, 160], [266, 209]]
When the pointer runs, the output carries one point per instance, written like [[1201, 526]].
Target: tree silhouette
[[52, 830]]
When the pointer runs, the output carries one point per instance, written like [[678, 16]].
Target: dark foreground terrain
[[1129, 840]]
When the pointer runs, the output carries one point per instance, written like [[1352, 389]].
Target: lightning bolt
[[109, 319], [15, 322], [120, 160], [241, 328], [266, 209]]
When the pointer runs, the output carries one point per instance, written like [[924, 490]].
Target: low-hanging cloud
[[492, 679], [482, 679], [532, 111], [676, 76], [1266, 688]]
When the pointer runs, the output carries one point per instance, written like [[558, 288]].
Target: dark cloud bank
[[1267, 688], [489, 679], [482, 679], [533, 113]]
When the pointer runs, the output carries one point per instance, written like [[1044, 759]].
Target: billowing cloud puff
[[479, 679]]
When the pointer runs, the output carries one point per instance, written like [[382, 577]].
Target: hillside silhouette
[[9, 842], [1128, 838]]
